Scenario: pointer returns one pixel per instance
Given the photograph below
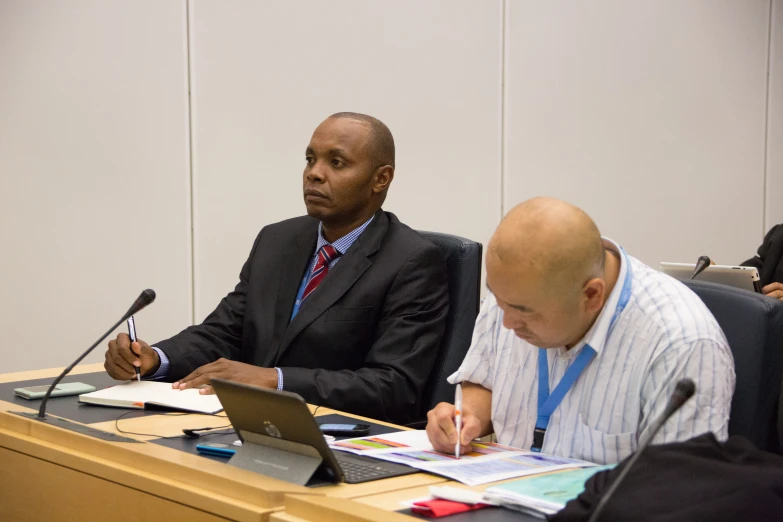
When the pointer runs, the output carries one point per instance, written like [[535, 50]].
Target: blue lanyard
[[548, 403], [299, 294]]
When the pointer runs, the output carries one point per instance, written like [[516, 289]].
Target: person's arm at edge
[[757, 261]]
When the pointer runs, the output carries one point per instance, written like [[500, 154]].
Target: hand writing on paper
[[773, 290], [443, 433], [122, 356], [231, 371]]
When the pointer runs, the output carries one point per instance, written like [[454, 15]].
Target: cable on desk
[[185, 435]]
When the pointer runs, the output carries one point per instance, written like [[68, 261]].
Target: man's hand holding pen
[[442, 430], [123, 356]]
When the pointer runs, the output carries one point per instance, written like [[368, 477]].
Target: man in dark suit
[[769, 263], [345, 306]]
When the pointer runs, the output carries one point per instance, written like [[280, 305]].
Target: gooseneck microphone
[[682, 392], [701, 264], [146, 297]]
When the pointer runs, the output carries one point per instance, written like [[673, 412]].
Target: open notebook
[[134, 394]]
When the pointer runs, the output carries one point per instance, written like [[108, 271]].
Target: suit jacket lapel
[[339, 279], [296, 259]]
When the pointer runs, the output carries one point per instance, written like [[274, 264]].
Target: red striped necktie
[[325, 256]]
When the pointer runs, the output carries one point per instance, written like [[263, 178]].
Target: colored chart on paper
[[483, 471], [371, 443], [488, 448], [486, 461], [419, 457], [538, 460]]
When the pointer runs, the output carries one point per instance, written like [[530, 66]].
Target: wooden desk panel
[[327, 509], [169, 474], [282, 516], [34, 489], [391, 500]]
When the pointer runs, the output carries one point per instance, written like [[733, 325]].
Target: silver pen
[[458, 418], [132, 335]]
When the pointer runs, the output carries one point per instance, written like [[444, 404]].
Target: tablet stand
[[276, 458]]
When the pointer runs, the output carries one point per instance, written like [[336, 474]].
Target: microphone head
[[701, 265], [147, 296]]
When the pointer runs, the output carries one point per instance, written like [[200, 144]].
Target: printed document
[[486, 462]]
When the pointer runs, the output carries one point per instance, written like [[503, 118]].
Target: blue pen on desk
[[458, 417], [132, 335]]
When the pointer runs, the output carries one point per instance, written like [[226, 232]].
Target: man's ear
[[593, 292], [383, 178]]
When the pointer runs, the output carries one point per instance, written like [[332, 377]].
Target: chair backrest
[[463, 265], [753, 324]]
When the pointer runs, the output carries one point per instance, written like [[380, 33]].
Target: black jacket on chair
[[770, 255], [363, 342]]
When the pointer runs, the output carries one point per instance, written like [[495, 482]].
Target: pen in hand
[[132, 335], [458, 417]]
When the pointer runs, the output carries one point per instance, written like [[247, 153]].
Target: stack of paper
[[487, 462], [544, 495], [134, 394]]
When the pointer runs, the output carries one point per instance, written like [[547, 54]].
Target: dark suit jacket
[[770, 255], [364, 341]]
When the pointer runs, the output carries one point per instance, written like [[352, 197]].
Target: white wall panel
[[94, 179], [265, 74], [774, 189], [649, 115]]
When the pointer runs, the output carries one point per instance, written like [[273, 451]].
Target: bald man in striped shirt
[[579, 346]]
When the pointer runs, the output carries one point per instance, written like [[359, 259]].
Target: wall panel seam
[[188, 49], [764, 224], [502, 108]]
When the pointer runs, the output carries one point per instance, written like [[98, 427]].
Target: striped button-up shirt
[[662, 334]]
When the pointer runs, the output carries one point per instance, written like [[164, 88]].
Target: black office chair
[[463, 265], [753, 325]]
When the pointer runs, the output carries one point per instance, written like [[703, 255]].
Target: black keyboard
[[364, 469]]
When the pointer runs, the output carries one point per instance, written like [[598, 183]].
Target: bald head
[[552, 240], [380, 139]]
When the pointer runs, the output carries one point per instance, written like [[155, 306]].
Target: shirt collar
[[621, 293], [344, 243]]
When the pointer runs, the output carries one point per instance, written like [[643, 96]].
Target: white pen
[[132, 335], [458, 417]]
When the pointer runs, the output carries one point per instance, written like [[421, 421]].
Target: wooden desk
[[299, 508], [90, 479], [47, 473]]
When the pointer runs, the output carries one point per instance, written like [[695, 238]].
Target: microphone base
[[74, 426]]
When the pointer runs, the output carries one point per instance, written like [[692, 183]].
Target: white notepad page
[[134, 394]]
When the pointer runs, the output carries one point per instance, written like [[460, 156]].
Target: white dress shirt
[[660, 333]]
